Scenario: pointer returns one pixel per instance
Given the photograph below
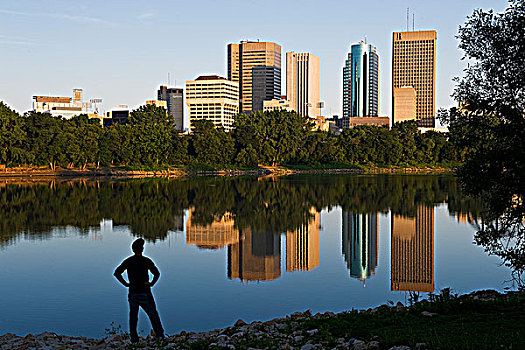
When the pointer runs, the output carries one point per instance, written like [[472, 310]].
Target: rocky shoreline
[[307, 331], [283, 333]]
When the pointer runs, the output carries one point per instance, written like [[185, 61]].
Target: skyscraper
[[361, 82], [414, 66], [256, 66], [412, 252], [360, 244], [302, 83], [174, 100]]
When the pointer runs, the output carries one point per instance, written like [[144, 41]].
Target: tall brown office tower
[[412, 252], [256, 66], [414, 67]]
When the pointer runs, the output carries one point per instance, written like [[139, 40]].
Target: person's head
[[138, 246]]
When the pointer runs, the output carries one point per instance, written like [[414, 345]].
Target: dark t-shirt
[[137, 267]]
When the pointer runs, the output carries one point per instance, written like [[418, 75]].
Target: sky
[[122, 50]]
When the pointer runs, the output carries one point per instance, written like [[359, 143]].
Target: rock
[[400, 347], [237, 335], [307, 313], [421, 346], [280, 326], [308, 347], [428, 314], [359, 345], [114, 338], [373, 345], [312, 332], [298, 338]]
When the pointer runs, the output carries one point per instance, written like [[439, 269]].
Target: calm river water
[[231, 248]]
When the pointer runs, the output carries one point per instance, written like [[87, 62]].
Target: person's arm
[[156, 274], [118, 275]]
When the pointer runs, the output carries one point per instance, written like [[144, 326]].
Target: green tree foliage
[[490, 124], [270, 138], [276, 137], [211, 146], [13, 138]]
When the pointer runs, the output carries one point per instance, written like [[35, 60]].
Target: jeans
[[146, 301]]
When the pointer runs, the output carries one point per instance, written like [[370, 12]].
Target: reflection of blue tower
[[360, 244]]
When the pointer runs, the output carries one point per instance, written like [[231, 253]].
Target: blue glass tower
[[361, 82]]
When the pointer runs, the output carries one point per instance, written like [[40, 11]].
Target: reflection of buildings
[[360, 244], [217, 235], [302, 246], [255, 257], [413, 252], [178, 221]]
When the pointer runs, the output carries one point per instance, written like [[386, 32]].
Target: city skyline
[[120, 36]]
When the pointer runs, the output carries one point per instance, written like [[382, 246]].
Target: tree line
[[263, 138]]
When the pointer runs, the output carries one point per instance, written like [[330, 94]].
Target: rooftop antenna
[[365, 39], [168, 78], [408, 10], [413, 22]]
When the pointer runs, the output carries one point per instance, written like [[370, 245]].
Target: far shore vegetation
[[150, 142]]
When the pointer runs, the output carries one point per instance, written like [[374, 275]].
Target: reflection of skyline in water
[[220, 233], [249, 216], [302, 245], [412, 251], [256, 256], [360, 244]]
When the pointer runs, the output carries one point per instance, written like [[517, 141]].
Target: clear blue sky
[[121, 51]]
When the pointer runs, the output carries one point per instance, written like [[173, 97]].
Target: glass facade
[[361, 82]]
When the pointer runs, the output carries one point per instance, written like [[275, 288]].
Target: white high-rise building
[[212, 98]]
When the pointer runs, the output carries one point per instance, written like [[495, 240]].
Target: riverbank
[[480, 320], [122, 172]]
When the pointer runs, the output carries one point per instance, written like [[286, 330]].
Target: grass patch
[[459, 323]]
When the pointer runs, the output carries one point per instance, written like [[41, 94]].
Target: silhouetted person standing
[[140, 289]]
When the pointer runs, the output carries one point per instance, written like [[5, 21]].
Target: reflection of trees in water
[[502, 232], [151, 207]]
